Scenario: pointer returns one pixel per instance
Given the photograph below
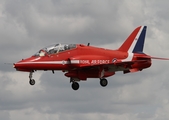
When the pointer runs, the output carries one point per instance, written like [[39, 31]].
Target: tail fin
[[135, 42]]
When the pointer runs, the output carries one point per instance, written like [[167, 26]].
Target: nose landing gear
[[31, 81]]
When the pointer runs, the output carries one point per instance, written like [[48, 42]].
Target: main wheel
[[75, 86], [103, 82], [32, 82]]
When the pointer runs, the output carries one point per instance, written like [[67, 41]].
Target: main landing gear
[[103, 82], [31, 81], [75, 85]]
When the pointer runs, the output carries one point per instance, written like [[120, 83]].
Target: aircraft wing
[[100, 62], [126, 64]]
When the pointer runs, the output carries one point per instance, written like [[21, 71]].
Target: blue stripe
[[140, 42]]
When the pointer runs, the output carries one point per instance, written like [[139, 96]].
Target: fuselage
[[79, 56]]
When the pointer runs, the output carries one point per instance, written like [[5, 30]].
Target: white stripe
[[75, 62], [129, 57], [52, 62], [43, 62], [35, 59]]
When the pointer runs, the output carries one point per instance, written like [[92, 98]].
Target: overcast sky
[[28, 25]]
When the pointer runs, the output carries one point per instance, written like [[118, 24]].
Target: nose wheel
[[31, 81]]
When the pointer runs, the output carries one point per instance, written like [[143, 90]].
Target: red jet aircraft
[[80, 62]]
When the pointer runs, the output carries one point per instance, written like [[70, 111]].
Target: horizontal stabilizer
[[150, 57]]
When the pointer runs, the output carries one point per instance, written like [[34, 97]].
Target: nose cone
[[16, 65], [22, 65]]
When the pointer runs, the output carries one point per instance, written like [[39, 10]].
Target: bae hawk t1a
[[79, 61]]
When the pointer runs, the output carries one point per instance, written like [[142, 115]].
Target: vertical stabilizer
[[135, 42]]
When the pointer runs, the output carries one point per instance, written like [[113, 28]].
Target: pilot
[[42, 53]]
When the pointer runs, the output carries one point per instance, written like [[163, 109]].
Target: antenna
[[88, 44]]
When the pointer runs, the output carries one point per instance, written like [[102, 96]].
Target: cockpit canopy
[[54, 49]]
